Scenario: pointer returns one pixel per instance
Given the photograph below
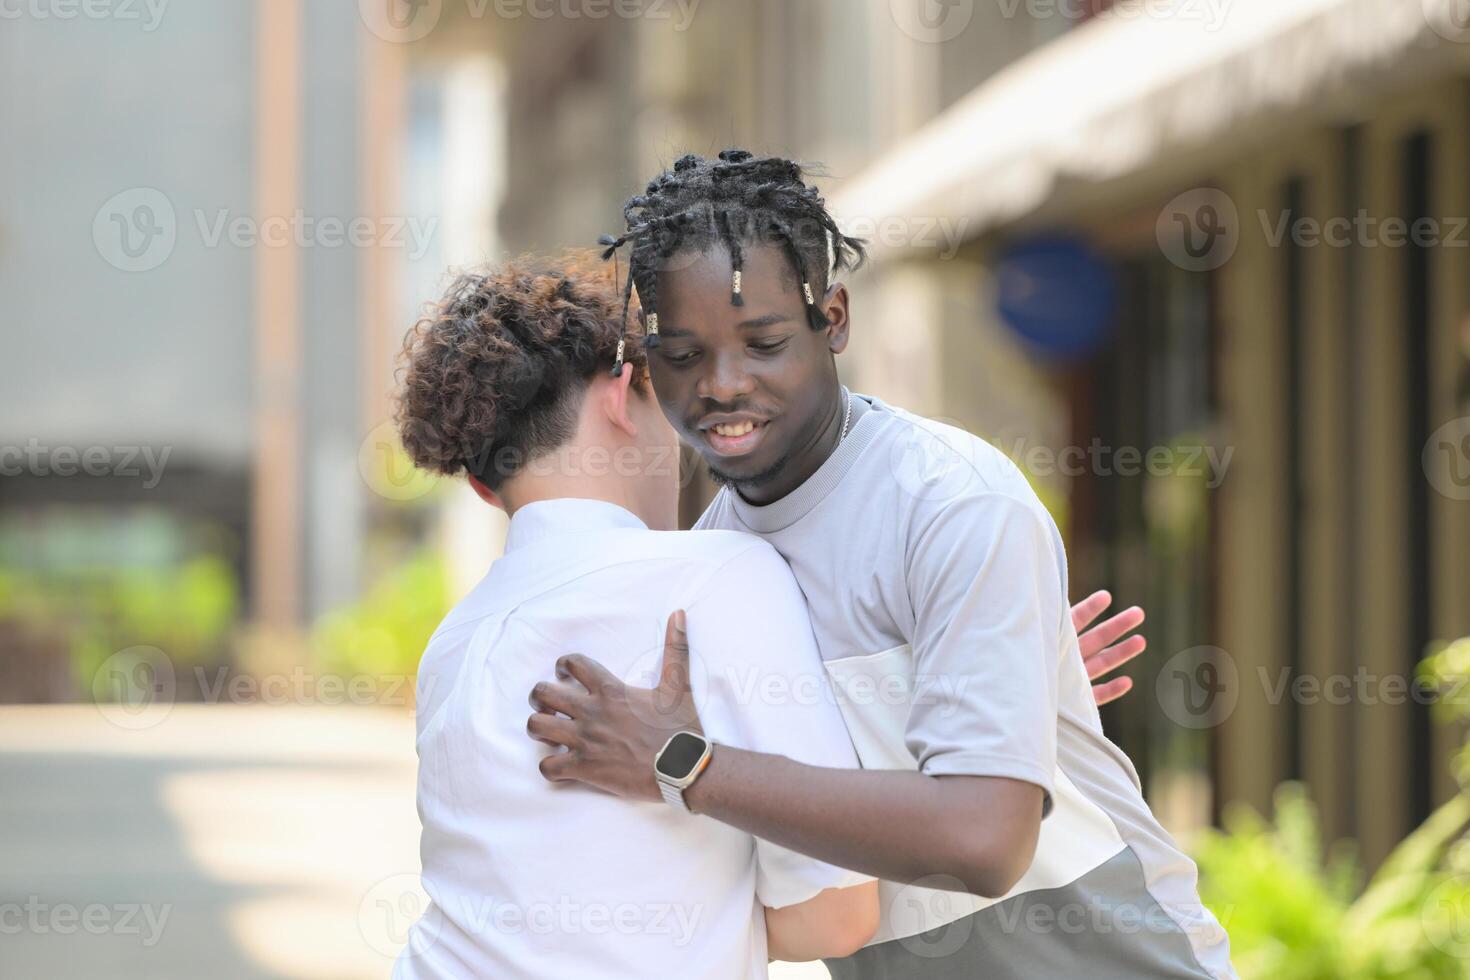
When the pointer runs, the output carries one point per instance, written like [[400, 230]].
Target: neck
[[629, 494], [804, 461]]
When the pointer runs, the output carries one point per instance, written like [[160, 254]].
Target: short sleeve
[[766, 690], [986, 584]]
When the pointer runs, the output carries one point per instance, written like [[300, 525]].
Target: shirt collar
[[565, 515], [868, 414]]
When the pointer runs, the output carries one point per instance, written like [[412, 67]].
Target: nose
[[726, 381]]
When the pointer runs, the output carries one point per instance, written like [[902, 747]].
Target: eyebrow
[[769, 319]]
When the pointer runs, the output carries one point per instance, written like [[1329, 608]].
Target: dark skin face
[[760, 363]]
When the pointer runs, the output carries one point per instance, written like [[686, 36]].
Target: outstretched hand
[[1101, 654], [611, 732]]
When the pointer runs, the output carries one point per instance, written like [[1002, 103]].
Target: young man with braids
[[1010, 836]]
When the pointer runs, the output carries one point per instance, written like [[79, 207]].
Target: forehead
[[705, 276]]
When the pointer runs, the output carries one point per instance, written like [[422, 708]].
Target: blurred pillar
[[1449, 367], [381, 112], [1382, 737], [1253, 518], [276, 475]]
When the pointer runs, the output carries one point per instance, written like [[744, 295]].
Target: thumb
[[675, 673]]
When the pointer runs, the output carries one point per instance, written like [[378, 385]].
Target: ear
[[613, 394], [834, 306], [486, 494]]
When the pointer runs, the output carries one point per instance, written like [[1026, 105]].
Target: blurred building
[[1231, 166], [1193, 148]]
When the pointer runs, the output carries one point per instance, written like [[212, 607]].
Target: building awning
[[1119, 93]]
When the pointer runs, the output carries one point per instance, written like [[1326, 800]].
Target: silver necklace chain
[[846, 415]]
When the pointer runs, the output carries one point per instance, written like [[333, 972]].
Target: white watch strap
[[673, 795]]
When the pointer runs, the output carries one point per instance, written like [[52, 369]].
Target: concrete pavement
[[220, 842]]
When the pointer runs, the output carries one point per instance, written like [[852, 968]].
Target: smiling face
[[754, 388]]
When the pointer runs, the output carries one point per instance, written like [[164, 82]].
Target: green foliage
[[384, 633], [185, 609], [1293, 909]]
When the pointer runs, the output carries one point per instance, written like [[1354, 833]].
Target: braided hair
[[737, 200]]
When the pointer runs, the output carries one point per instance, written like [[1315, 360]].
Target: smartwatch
[[679, 763]]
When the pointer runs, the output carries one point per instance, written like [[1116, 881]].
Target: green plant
[[1293, 910], [1293, 907], [186, 609], [384, 633]]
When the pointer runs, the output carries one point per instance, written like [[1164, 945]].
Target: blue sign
[[1058, 293]]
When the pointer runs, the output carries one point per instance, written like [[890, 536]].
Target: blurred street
[[238, 843], [222, 842]]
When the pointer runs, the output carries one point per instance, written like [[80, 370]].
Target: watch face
[[680, 756]]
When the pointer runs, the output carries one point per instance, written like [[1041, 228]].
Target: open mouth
[[735, 438]]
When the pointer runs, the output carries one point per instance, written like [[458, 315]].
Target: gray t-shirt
[[937, 585]]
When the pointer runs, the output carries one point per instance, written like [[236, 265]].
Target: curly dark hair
[[493, 375]]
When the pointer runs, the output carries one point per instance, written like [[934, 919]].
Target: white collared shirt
[[534, 879]]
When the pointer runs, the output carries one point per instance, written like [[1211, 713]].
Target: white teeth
[[736, 429]]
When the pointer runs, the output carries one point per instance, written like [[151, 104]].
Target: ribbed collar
[[780, 514]]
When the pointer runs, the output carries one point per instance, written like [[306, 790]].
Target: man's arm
[[837, 922], [971, 813], [977, 833]]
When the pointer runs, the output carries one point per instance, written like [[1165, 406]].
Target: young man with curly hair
[[509, 381], [1010, 836]]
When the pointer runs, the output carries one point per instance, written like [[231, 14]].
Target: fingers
[[1112, 690], [551, 697], [1113, 657], [1107, 632], [675, 673], [552, 729], [1090, 608], [586, 671], [559, 766]]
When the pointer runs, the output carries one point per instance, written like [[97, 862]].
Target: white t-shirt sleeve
[[764, 689], [986, 586]]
